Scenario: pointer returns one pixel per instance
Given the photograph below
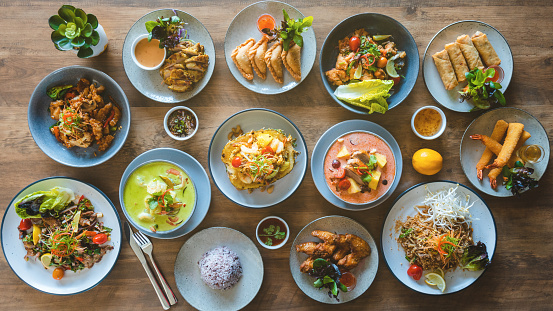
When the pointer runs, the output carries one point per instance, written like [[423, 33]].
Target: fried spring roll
[[445, 69], [498, 132], [492, 175], [513, 136], [470, 52], [457, 60], [485, 48]]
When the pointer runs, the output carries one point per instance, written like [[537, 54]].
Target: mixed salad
[[62, 230]]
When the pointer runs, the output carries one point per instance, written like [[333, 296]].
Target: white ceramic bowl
[[167, 118], [442, 126], [274, 246], [138, 39]]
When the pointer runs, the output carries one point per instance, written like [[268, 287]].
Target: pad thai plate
[[32, 272], [483, 225]]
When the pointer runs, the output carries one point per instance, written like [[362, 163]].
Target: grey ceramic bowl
[[375, 24], [39, 119]]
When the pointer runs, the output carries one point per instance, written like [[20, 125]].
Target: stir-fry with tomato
[[365, 57], [66, 237]]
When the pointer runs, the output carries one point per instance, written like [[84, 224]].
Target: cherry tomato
[[58, 273], [100, 238], [91, 233], [236, 162], [415, 272], [25, 224], [340, 173], [381, 63], [396, 80], [344, 184], [354, 43], [267, 149]]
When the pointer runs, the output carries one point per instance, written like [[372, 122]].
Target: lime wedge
[[46, 259], [36, 234], [358, 72], [75, 222], [390, 67], [381, 37]]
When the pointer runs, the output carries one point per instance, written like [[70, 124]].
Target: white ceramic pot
[[102, 43]]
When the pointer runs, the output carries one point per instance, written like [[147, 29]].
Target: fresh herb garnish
[[291, 30], [482, 93], [405, 232], [517, 179], [328, 276], [169, 31], [273, 231]]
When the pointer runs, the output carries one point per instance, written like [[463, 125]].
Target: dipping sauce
[[360, 141], [498, 77], [272, 232], [348, 279], [159, 195], [531, 153], [428, 122], [265, 21], [148, 54], [181, 123]]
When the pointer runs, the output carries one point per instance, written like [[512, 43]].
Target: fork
[[147, 248]]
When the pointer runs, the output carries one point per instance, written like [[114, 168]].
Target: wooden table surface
[[521, 276]]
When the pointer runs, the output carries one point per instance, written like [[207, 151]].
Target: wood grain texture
[[521, 276]]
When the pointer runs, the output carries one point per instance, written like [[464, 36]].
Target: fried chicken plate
[[345, 250]]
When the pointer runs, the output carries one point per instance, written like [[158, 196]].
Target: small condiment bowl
[[274, 246], [133, 55], [167, 119], [442, 126]]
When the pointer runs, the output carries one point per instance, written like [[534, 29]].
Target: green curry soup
[[159, 196]]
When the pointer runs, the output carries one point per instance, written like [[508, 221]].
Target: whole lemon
[[427, 161]]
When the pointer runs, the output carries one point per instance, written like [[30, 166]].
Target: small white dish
[[272, 246], [442, 125], [166, 127], [133, 55]]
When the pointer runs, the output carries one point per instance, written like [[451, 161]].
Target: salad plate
[[256, 119], [39, 120], [375, 24], [32, 272], [194, 170], [483, 225], [194, 289], [365, 272], [431, 77], [329, 137], [149, 82], [471, 150], [244, 26]]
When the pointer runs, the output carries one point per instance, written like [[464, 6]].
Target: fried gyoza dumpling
[[274, 61], [240, 58], [257, 55], [292, 61]]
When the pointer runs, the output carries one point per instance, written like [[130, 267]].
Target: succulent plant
[[74, 30]]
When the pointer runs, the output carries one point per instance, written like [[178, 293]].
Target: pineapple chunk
[[380, 159], [263, 139], [344, 152], [354, 187], [376, 178]]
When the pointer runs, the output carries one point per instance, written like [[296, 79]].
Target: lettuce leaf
[[55, 199], [368, 94]]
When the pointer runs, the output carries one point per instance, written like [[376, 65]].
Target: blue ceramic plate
[[40, 122], [329, 137], [32, 272], [365, 272], [375, 24], [244, 26], [256, 119], [193, 169], [431, 77], [483, 225], [149, 82]]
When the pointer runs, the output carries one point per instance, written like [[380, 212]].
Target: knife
[[138, 252]]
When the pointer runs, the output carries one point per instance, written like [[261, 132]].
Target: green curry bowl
[[158, 196]]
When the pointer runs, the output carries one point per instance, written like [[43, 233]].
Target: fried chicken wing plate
[[259, 158], [256, 55], [292, 61], [241, 60], [273, 60]]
